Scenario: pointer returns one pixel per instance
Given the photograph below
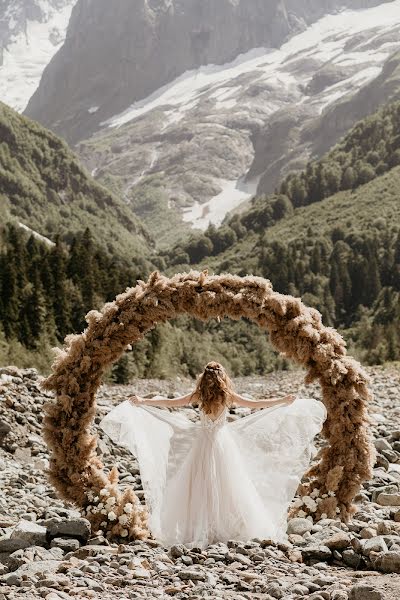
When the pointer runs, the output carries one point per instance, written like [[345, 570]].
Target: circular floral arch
[[294, 329]]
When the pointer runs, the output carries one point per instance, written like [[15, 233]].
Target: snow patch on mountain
[[37, 235], [328, 40], [332, 58], [29, 47], [214, 211]]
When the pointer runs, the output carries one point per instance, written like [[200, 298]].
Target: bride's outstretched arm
[[240, 401], [167, 402]]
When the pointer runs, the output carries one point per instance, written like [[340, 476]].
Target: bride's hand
[[289, 399], [135, 400]]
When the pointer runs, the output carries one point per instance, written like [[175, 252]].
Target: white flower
[[104, 492], [324, 496], [124, 532], [297, 503], [318, 500], [112, 516], [301, 513], [128, 507], [309, 518], [111, 501], [103, 511], [99, 532], [331, 493], [337, 510], [324, 516], [103, 524], [100, 505], [314, 493], [123, 519], [96, 499], [90, 495]]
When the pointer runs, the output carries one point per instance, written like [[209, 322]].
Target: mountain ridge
[[166, 38]]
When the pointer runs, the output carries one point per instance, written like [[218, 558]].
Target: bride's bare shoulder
[[233, 399], [194, 398]]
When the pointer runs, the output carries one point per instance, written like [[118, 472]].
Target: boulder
[[74, 528], [316, 553], [388, 499], [338, 541], [299, 526], [29, 532]]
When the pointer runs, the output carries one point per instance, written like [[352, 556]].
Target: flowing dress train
[[216, 480]]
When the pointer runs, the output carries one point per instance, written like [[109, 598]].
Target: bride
[[216, 479]]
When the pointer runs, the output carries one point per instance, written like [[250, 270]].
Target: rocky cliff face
[[118, 53], [31, 32], [207, 141]]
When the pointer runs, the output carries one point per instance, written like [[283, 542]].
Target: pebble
[[48, 551]]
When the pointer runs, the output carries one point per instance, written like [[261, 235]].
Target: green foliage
[[183, 346], [371, 149], [331, 236], [45, 291], [47, 189]]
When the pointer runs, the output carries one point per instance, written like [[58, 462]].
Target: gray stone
[[75, 528], [316, 553], [389, 562], [140, 573], [177, 550], [67, 545], [339, 595], [300, 590], [299, 526], [351, 558], [27, 555], [274, 590], [388, 499], [384, 489], [192, 575], [29, 532], [5, 428], [33, 568], [337, 541], [382, 444], [375, 544], [362, 591], [9, 545]]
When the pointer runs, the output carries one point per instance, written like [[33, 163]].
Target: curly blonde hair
[[214, 388]]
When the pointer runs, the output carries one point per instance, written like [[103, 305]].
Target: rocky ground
[[48, 551]]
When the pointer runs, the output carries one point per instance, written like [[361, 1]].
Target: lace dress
[[216, 480]]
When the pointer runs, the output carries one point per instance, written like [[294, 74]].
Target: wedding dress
[[215, 480]]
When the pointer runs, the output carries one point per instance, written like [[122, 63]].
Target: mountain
[[331, 234], [118, 53], [337, 120], [204, 144], [297, 137], [48, 191], [31, 32]]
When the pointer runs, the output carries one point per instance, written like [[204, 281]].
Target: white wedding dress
[[216, 480]]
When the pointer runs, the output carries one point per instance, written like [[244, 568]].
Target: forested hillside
[[46, 188], [45, 292], [330, 234]]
